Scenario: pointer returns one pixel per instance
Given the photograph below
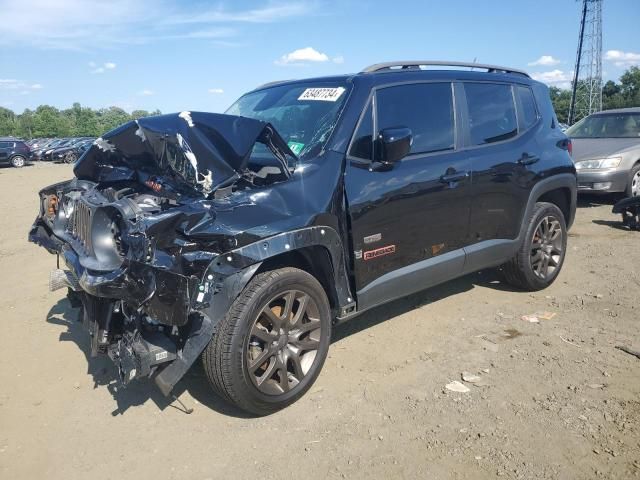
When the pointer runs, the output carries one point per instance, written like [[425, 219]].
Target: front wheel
[[633, 187], [541, 255], [18, 161], [270, 347], [70, 158]]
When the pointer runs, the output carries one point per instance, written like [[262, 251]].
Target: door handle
[[527, 159], [453, 177]]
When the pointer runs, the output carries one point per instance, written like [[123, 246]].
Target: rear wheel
[[541, 255], [18, 161], [272, 343]]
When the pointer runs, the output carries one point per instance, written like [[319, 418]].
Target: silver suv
[[606, 151]]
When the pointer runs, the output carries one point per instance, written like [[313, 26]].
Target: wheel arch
[[561, 190]]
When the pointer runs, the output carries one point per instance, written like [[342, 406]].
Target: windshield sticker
[[322, 94], [296, 147]]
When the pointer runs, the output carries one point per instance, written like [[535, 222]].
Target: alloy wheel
[[546, 247], [283, 342], [635, 184], [17, 161]]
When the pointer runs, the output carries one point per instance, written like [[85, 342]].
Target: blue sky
[[201, 55]]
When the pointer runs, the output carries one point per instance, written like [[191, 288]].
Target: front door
[[415, 214]]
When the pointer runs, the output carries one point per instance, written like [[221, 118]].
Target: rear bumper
[[607, 181]]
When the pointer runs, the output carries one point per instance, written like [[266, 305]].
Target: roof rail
[[416, 64]]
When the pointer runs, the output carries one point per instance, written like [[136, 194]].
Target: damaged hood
[[186, 151]]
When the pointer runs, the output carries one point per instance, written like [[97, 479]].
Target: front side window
[[492, 113], [607, 125], [425, 108]]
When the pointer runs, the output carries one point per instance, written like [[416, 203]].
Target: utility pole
[[586, 91]]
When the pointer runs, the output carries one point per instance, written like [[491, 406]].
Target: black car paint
[[322, 216]]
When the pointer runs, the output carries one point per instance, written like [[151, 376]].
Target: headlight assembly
[[599, 163]]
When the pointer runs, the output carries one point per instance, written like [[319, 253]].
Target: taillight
[[570, 147]]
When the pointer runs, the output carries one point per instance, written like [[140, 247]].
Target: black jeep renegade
[[244, 237]]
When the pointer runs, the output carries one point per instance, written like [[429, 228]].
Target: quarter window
[[425, 108], [363, 140], [492, 114], [528, 103]]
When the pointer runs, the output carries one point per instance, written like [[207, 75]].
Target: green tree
[[8, 123]]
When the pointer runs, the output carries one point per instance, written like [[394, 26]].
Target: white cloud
[[105, 66], [545, 60], [146, 92], [13, 84], [622, 59], [339, 59], [301, 56], [216, 90], [556, 78], [89, 24]]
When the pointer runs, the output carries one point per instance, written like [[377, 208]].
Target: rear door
[[501, 142], [419, 208]]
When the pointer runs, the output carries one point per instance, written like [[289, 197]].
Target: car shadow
[[486, 278], [590, 201], [104, 373], [618, 225], [195, 382]]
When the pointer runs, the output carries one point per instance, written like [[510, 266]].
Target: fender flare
[[562, 180], [229, 273], [239, 259]]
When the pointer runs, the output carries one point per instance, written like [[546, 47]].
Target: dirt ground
[[555, 398]]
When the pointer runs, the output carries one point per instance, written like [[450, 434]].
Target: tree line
[[77, 121], [622, 94]]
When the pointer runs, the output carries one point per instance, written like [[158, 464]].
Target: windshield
[[303, 114], [611, 125]]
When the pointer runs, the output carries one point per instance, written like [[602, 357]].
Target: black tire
[[633, 184], [227, 358], [70, 158], [525, 269], [18, 161]]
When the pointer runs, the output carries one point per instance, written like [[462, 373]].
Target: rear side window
[[425, 108], [4, 144], [492, 113], [528, 104]]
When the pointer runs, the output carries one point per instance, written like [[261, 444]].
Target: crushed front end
[[136, 233], [129, 266]]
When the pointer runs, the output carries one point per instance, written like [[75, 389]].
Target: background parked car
[[72, 151], [606, 151], [13, 152]]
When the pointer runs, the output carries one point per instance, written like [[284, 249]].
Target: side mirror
[[393, 144]]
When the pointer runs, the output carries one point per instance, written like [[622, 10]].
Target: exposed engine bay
[[137, 231]]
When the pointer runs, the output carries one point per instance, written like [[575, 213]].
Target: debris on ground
[[470, 377], [457, 386], [536, 317], [630, 351]]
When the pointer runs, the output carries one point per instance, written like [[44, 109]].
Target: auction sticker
[[322, 94]]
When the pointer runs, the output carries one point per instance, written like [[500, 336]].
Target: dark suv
[[245, 237], [13, 152]]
